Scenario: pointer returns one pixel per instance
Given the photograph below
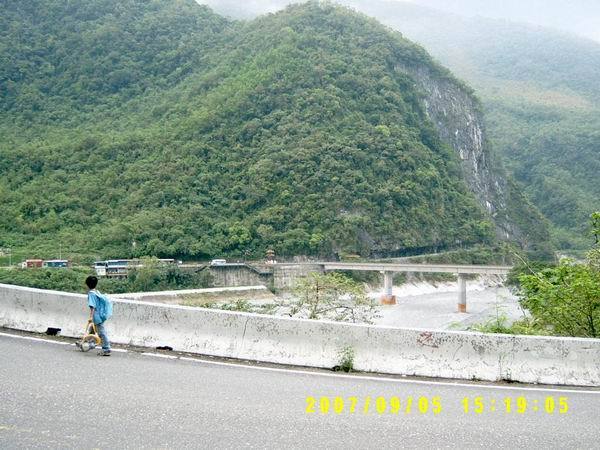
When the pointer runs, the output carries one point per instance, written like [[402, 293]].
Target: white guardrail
[[447, 354]]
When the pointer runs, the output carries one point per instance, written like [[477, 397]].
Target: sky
[[581, 17]]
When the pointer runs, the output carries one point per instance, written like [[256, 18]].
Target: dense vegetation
[[539, 88], [160, 128], [561, 300], [542, 101], [564, 301], [151, 277]]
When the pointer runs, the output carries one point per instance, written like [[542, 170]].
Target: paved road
[[52, 396]]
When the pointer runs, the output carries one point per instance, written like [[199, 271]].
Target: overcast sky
[[580, 17], [576, 16]]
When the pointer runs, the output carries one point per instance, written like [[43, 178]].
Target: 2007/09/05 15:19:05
[[433, 405]]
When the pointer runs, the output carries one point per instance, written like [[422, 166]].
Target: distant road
[[52, 396]]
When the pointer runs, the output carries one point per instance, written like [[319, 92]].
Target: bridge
[[283, 275], [389, 269]]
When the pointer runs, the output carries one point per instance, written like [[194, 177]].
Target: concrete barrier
[[176, 297], [463, 355]]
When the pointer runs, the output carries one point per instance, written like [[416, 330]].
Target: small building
[[56, 263], [119, 268], [32, 263], [113, 268]]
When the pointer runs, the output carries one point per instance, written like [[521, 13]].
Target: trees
[[566, 299], [595, 219], [332, 296], [593, 255], [165, 130]]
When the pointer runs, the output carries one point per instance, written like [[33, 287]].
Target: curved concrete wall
[[568, 361], [241, 275]]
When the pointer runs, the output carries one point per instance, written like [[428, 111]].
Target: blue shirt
[[100, 305]]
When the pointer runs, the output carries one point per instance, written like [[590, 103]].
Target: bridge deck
[[430, 268]]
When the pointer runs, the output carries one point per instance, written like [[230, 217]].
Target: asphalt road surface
[[53, 396]]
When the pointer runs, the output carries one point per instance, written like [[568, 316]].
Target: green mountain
[[538, 86], [160, 128], [542, 100]]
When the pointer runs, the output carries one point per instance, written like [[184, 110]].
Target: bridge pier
[[462, 293], [388, 298]]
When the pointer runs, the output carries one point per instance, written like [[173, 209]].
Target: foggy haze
[[581, 17]]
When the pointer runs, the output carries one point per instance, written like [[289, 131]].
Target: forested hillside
[[542, 98], [539, 88], [160, 128]]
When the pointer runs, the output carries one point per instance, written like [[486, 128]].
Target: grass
[[346, 356]]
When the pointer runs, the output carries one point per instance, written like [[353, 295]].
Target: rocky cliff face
[[456, 115]]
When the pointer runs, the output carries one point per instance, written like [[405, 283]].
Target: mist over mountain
[[578, 17], [581, 17]]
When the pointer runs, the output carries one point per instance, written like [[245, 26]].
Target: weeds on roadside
[[346, 357]]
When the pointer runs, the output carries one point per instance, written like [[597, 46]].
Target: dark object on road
[[52, 331]]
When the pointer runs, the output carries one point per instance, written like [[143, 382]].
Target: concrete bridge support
[[388, 271], [388, 298], [462, 293]]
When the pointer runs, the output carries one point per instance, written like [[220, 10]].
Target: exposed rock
[[456, 114]]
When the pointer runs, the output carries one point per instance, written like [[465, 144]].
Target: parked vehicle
[[218, 262]]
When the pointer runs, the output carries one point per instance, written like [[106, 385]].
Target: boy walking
[[100, 312]]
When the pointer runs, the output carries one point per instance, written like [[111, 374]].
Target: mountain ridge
[[293, 132], [538, 89]]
